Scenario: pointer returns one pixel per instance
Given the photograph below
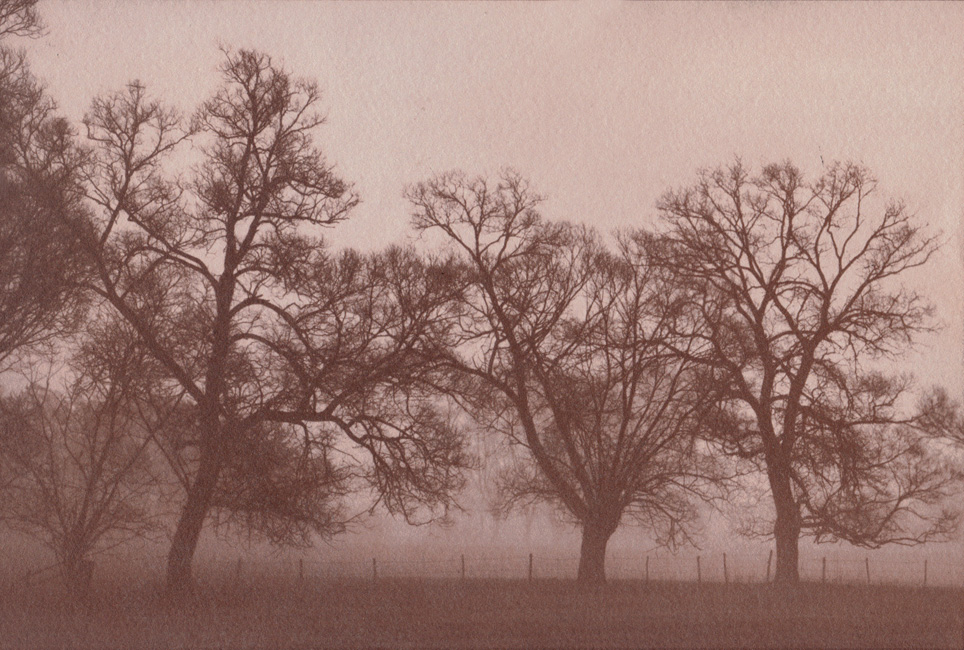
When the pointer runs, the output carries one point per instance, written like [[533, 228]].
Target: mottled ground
[[481, 613]]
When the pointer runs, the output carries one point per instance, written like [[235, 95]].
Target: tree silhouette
[[289, 355], [797, 290], [75, 448], [562, 348]]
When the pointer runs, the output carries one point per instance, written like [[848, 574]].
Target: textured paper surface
[[602, 105]]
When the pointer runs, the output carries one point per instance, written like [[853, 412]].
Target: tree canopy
[[289, 354], [563, 347], [797, 290]]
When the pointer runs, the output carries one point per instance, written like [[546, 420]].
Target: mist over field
[[499, 547]]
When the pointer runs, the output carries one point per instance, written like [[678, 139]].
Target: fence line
[[717, 567], [706, 567]]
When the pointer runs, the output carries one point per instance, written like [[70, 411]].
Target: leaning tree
[[799, 290], [292, 358], [562, 348]]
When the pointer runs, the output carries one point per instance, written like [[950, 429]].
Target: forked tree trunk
[[180, 557], [592, 554]]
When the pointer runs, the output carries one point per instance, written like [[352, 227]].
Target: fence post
[[726, 575], [647, 569], [374, 570], [699, 571], [867, 564], [463, 566], [925, 571], [769, 559], [530, 567], [823, 571]]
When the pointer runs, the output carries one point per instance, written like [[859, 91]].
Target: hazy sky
[[603, 105]]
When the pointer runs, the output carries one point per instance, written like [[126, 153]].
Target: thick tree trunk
[[786, 532], [77, 573], [180, 557], [592, 554], [787, 556]]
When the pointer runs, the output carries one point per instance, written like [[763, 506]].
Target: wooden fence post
[[726, 575], [823, 571], [530, 567], [769, 559], [699, 571], [867, 564]]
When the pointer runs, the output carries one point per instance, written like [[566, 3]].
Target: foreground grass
[[480, 613]]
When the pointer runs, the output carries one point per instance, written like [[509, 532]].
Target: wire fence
[[719, 567], [697, 568]]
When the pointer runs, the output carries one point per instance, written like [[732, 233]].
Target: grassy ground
[[479, 613]]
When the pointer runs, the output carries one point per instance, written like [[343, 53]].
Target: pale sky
[[602, 105]]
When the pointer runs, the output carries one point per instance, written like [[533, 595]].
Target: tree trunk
[[181, 555], [77, 573], [592, 554], [787, 556], [786, 531]]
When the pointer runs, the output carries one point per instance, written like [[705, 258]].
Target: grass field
[[479, 613]]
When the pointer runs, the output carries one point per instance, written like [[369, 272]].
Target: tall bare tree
[[270, 336], [798, 289], [562, 348]]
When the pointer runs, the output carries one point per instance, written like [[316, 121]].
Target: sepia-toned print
[[481, 324]]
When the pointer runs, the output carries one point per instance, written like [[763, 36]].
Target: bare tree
[[798, 290], [270, 336], [562, 348], [74, 450]]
